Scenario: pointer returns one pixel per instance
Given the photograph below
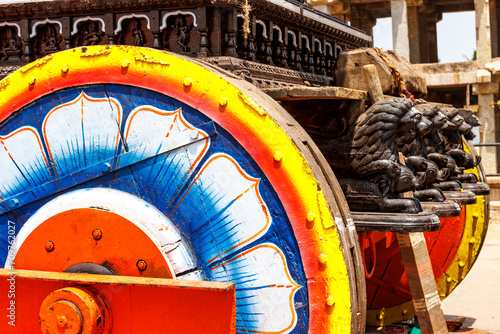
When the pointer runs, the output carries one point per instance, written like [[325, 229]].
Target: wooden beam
[[374, 86], [422, 283]]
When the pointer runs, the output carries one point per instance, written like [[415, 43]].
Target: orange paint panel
[[389, 286], [443, 244], [159, 305]]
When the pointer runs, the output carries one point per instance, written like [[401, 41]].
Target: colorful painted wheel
[[452, 251], [136, 162]]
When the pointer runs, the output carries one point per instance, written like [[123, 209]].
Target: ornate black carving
[[203, 43], [366, 160], [439, 143], [283, 56], [137, 33], [182, 31], [89, 33], [261, 8], [266, 76], [268, 52], [47, 41], [298, 59], [231, 43], [11, 44], [133, 32], [251, 51]]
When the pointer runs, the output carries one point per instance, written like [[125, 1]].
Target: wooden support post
[[414, 252], [374, 86], [422, 283]]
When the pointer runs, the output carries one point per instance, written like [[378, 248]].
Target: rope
[[398, 86], [246, 8]]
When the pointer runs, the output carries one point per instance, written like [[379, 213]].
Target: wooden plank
[[311, 93], [374, 86], [422, 283]]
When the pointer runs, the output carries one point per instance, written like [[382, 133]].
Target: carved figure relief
[[181, 35], [134, 32], [89, 33], [47, 41], [137, 33], [11, 44], [182, 30]]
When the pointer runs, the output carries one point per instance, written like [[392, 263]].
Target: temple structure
[[474, 83]]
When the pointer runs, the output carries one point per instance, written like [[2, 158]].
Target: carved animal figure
[[415, 151], [366, 157], [453, 144], [470, 119]]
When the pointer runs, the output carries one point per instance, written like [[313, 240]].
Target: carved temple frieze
[[289, 35]]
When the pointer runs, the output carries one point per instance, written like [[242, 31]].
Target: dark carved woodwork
[[251, 48], [241, 42], [366, 161], [48, 40], [11, 45], [268, 52], [231, 43], [135, 32], [310, 61], [182, 31], [298, 59], [438, 142], [283, 56], [260, 8], [266, 76], [217, 32], [321, 64], [89, 33], [182, 36], [203, 43]]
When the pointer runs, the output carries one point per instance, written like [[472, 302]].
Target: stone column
[[414, 34], [487, 131], [432, 20], [485, 97], [494, 29], [400, 28], [483, 32], [423, 40]]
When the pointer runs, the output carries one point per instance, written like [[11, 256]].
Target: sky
[[456, 36]]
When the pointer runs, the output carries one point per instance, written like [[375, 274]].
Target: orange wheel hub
[[74, 310], [92, 236]]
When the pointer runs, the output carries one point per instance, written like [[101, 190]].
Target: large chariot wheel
[[452, 251], [131, 161]]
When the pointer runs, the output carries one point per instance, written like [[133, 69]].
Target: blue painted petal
[[225, 208], [23, 165], [82, 133], [264, 300]]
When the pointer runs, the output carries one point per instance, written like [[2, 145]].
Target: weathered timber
[[392, 71]]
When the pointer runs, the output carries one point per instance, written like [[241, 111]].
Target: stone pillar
[[485, 98], [400, 28], [487, 133], [432, 20], [423, 38], [483, 32], [414, 34], [494, 29]]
